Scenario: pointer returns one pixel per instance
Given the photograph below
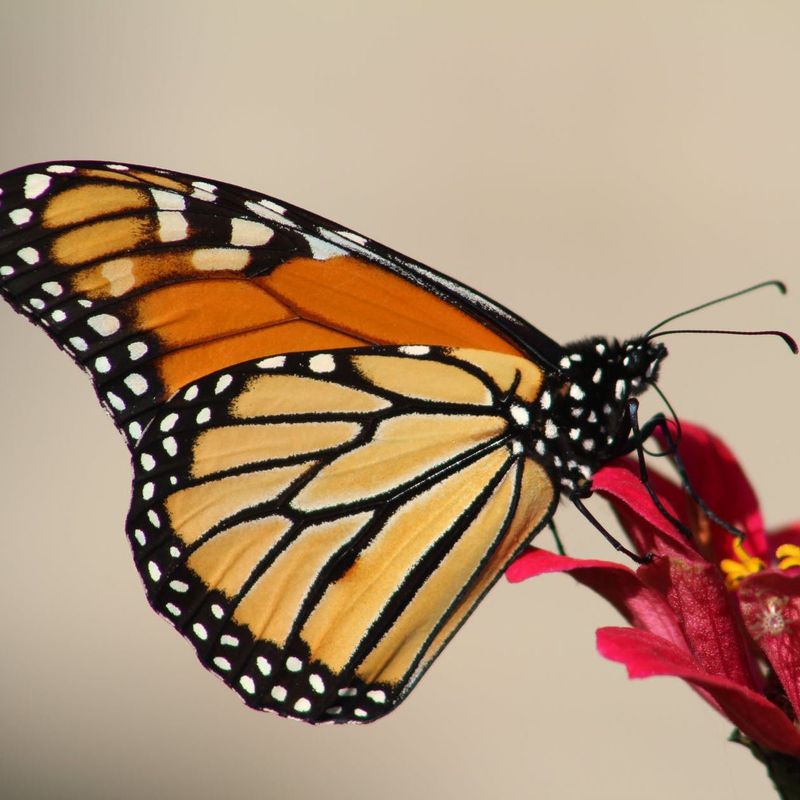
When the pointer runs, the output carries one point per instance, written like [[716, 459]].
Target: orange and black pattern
[[319, 524], [337, 450]]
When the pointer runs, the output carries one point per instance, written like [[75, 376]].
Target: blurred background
[[594, 166]]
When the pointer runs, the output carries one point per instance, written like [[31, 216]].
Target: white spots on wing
[[278, 693], [223, 383], [598, 375], [267, 210], [322, 250], [592, 417], [415, 349], [565, 362], [353, 237], [170, 446], [294, 664], [136, 350], [222, 663], [19, 216], [119, 274], [104, 324], [545, 400], [249, 233], [216, 610], [136, 383], [210, 259], [359, 712], [173, 480], [168, 423], [588, 444], [172, 226], [154, 571], [36, 185], [322, 362], [248, 684], [116, 402], [102, 364], [203, 190], [173, 609], [272, 363], [168, 201], [59, 169], [228, 641], [516, 447], [263, 666], [147, 461], [135, 430], [317, 684], [585, 471], [140, 537], [205, 186], [52, 288], [303, 705], [540, 447], [118, 167], [179, 586], [191, 393], [550, 429], [348, 691], [520, 414], [619, 389], [600, 348], [85, 303], [576, 393], [574, 434], [576, 412], [148, 490], [200, 631], [203, 416], [29, 255], [36, 303], [377, 695], [155, 520], [334, 710], [78, 343], [6, 270]]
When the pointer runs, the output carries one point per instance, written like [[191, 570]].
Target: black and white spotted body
[[584, 423]]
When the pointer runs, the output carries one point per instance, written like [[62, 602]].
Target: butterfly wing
[[320, 524], [252, 522], [151, 279]]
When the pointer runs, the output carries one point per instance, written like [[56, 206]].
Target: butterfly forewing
[[151, 280], [319, 554]]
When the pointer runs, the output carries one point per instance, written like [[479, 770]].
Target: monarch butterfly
[[336, 450]]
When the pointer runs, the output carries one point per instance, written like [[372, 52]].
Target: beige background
[[596, 166]]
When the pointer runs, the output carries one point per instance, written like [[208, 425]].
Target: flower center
[[788, 555], [736, 569]]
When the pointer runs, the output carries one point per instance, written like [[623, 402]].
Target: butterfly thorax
[[583, 406]]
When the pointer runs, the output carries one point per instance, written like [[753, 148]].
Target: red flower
[[722, 615]]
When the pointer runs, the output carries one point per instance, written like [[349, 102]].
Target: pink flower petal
[[646, 655], [648, 528], [717, 477], [696, 594], [640, 605], [770, 606]]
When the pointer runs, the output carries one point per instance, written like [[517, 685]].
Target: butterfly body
[[336, 450]]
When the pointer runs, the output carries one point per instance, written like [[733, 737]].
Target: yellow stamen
[[737, 569], [789, 555]]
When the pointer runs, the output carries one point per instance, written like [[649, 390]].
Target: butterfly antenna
[[779, 285], [790, 342], [674, 442]]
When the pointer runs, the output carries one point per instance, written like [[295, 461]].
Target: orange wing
[[320, 524]]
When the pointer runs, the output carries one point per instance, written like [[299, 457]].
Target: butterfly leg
[[659, 422], [615, 543]]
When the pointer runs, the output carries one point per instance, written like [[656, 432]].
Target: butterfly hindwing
[[319, 524]]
